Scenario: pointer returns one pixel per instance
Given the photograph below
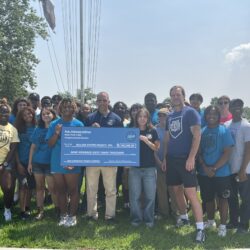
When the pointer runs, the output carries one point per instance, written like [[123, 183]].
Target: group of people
[[182, 148]]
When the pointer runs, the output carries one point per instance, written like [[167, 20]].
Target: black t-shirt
[[147, 158]]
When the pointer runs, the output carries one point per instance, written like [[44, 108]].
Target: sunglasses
[[161, 115], [223, 103]]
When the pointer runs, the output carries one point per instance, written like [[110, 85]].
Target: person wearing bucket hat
[[163, 192]]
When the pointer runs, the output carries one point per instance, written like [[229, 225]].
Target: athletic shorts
[[177, 173], [39, 168], [210, 187]]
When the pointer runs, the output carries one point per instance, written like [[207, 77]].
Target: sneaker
[[210, 224], [92, 218], [241, 230], [182, 222], [222, 231], [71, 221], [7, 215], [63, 220], [40, 215], [24, 216], [111, 220], [200, 236], [232, 225]]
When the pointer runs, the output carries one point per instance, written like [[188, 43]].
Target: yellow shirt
[[8, 135]]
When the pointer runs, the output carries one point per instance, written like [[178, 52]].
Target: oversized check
[[88, 146]]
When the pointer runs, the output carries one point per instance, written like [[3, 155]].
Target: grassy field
[[99, 235]]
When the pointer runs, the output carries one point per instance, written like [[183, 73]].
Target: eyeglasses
[[162, 115], [223, 103]]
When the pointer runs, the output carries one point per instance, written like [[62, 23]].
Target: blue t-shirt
[[56, 149], [179, 127], [42, 152], [12, 119], [203, 121], [23, 148], [154, 117], [213, 143]]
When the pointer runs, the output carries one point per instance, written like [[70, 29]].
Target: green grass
[[99, 235]]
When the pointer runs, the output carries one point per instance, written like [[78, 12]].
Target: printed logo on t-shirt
[[175, 126], [149, 136], [110, 122], [210, 143], [4, 137]]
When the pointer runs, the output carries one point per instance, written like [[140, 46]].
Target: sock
[[223, 226], [184, 216], [200, 225], [210, 221]]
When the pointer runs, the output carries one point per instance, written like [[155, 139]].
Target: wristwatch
[[5, 164]]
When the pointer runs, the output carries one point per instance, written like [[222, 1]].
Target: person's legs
[[7, 182], [40, 190], [92, 181], [244, 190], [149, 188], [233, 202], [180, 198], [61, 193], [52, 189], [109, 182], [135, 189], [195, 203], [71, 181], [223, 209], [162, 193]]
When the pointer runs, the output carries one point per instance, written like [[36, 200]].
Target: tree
[[246, 113], [19, 26], [89, 96], [214, 101]]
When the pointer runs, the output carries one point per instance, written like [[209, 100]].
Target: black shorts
[[209, 187], [177, 173]]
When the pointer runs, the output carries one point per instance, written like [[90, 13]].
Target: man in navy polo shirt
[[103, 117]]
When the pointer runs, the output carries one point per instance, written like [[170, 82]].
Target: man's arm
[[246, 159], [196, 132]]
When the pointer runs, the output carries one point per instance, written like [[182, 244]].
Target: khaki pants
[[109, 182], [163, 193]]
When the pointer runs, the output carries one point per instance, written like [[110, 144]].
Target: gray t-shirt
[[241, 134]]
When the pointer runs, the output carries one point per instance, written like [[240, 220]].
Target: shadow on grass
[[100, 235]]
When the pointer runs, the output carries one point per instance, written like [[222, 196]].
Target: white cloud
[[238, 54]]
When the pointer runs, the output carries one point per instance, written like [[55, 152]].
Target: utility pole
[[82, 66]]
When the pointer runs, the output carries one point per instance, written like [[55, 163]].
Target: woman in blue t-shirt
[[25, 124], [144, 176], [39, 160], [66, 178]]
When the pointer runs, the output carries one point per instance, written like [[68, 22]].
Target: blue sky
[[149, 46]]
